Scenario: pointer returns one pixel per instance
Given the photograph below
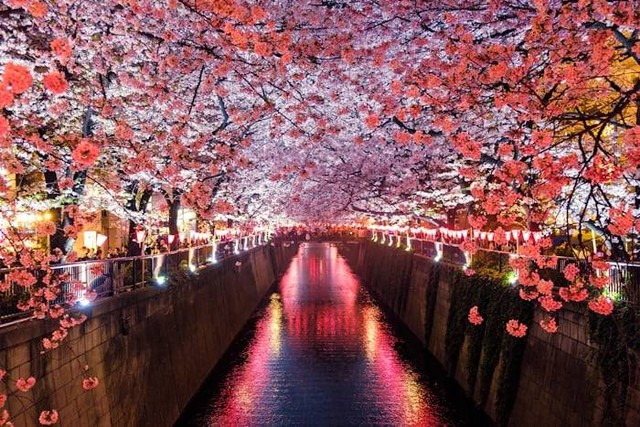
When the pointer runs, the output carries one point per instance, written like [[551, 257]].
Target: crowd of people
[[87, 254]]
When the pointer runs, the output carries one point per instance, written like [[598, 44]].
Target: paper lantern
[[507, 236], [526, 235]]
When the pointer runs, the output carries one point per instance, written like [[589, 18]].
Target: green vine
[[488, 343], [430, 298], [511, 357], [617, 339], [456, 321]]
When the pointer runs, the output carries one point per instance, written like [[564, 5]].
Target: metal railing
[[624, 277], [112, 276]]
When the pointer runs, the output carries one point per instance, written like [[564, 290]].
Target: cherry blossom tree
[[524, 113]]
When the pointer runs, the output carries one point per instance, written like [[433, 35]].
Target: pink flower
[[6, 97], [85, 154], [90, 383], [599, 282], [372, 121], [25, 385], [123, 131], [38, 9], [61, 48], [55, 82], [470, 246], [17, 77], [545, 287], [601, 305], [4, 126], [47, 228], [528, 296], [549, 325], [516, 329], [574, 293], [474, 316], [3, 400], [469, 272], [549, 304], [56, 311], [22, 278], [48, 344], [48, 418], [571, 272], [621, 220]]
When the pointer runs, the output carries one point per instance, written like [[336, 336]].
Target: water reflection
[[322, 353]]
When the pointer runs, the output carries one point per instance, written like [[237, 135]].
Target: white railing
[[624, 276], [111, 276]]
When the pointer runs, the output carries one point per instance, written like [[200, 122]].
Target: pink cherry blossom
[[25, 385], [549, 325], [602, 305], [55, 82], [474, 316], [90, 383], [85, 154], [549, 303], [17, 78], [516, 329], [48, 418]]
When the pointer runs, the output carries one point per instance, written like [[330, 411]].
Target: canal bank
[[151, 349], [320, 351], [540, 380]]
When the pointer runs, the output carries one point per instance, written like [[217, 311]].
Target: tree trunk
[[174, 208], [134, 248]]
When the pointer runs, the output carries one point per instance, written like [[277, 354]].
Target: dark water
[[321, 352]]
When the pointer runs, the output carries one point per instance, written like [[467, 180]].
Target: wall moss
[[617, 341], [488, 343]]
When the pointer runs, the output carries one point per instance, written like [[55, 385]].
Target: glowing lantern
[[100, 239]]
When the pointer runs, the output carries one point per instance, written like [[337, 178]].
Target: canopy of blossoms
[[524, 113]]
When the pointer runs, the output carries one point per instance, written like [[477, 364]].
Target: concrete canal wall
[[151, 348], [542, 380]]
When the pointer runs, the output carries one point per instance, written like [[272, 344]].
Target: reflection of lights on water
[[371, 332], [413, 399], [275, 324], [244, 396], [317, 312]]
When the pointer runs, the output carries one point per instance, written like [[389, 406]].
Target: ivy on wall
[[617, 341], [431, 293], [488, 345]]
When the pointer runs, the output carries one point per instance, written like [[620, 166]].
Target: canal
[[320, 351]]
